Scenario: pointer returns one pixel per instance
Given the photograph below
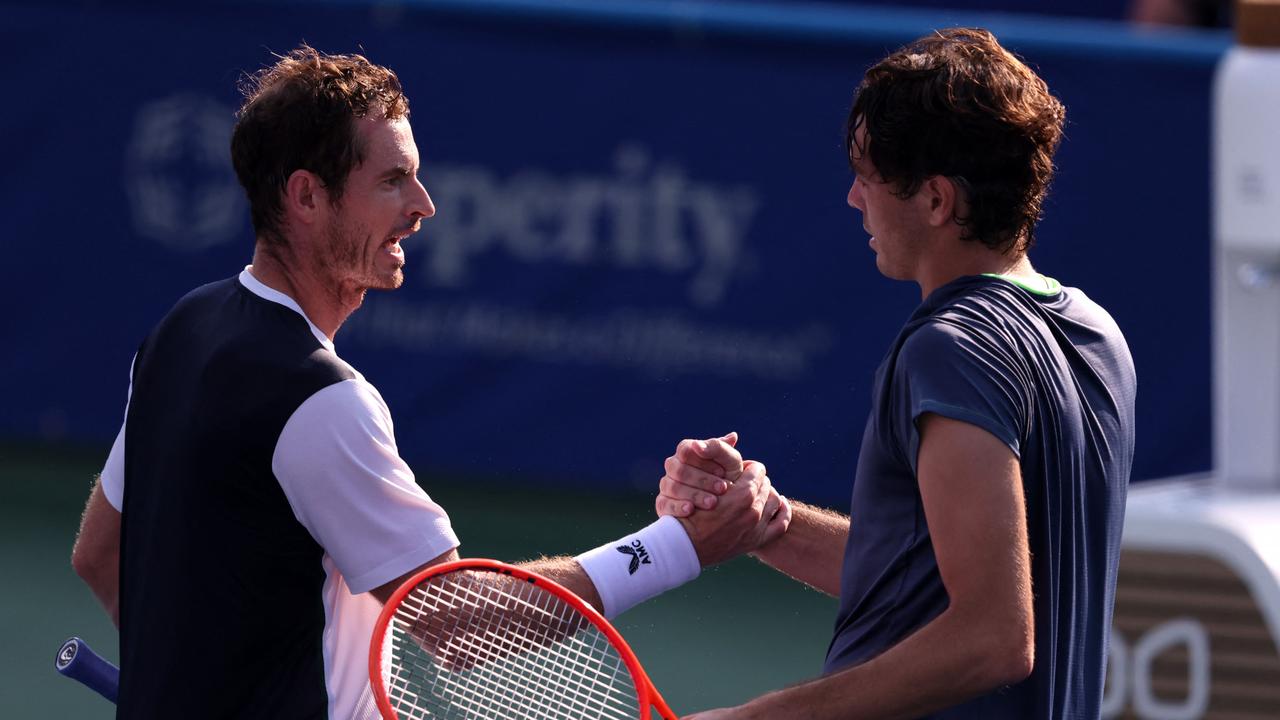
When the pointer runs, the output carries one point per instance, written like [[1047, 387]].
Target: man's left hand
[[748, 515]]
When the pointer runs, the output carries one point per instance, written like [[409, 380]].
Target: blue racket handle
[[78, 661]]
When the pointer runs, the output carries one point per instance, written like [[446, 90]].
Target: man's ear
[[305, 197], [942, 198]]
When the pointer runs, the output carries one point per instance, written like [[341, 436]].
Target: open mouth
[[392, 245]]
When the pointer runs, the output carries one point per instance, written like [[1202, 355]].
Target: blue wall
[[641, 235]]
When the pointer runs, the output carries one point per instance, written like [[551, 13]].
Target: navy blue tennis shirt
[[1050, 375]]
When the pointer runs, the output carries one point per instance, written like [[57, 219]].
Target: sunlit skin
[[336, 249]]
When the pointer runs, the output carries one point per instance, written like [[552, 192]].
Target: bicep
[[971, 487]]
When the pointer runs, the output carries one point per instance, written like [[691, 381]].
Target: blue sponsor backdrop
[[642, 232]]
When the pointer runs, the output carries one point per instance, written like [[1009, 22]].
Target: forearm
[[955, 657], [566, 571], [812, 550], [96, 555], [622, 573]]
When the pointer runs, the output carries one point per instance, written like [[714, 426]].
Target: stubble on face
[[382, 204], [348, 258]]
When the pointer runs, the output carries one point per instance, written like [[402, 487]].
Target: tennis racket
[[483, 639], [78, 661]]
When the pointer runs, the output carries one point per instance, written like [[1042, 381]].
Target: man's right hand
[[740, 510], [697, 474]]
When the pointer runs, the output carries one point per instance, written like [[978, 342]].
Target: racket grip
[[78, 661]]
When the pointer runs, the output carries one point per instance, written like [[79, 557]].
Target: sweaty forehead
[[387, 143]]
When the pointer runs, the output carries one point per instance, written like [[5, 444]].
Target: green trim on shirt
[[1051, 286]]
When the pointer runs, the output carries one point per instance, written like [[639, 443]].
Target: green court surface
[[737, 631]]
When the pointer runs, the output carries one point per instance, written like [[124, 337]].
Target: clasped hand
[[727, 505]]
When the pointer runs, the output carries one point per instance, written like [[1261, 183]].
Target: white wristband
[[641, 565]]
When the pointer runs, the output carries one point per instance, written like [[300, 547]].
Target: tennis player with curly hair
[[976, 570]]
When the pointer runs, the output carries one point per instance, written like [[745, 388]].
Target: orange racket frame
[[647, 694]]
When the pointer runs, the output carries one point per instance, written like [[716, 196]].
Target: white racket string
[[573, 693], [484, 645], [540, 690]]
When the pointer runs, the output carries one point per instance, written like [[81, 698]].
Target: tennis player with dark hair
[[976, 572], [254, 511]]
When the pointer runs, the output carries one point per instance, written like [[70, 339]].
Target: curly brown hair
[[957, 104], [300, 114]]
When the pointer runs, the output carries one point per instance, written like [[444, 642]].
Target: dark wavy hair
[[300, 114], [959, 105]]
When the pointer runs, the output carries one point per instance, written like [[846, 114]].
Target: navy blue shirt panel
[[1052, 378], [221, 587]]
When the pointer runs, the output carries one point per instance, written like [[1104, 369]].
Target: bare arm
[[971, 486], [386, 590], [96, 555], [811, 550], [747, 517], [566, 571]]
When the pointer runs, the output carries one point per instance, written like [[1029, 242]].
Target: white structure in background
[[1197, 623]]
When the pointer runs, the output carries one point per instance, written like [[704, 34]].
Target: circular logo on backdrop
[[182, 189]]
